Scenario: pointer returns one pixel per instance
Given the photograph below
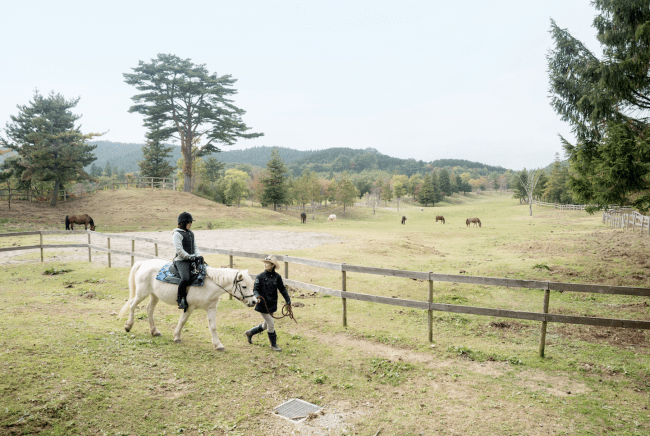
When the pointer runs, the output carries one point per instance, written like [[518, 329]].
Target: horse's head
[[243, 288], [92, 227]]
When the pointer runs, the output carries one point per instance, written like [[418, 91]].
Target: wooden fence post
[[542, 335], [231, 264], [174, 184], [9, 196], [132, 251], [344, 300], [108, 241], [90, 259], [41, 237], [430, 312], [286, 269], [152, 183], [155, 244]]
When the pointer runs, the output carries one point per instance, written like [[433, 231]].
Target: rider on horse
[[186, 252]]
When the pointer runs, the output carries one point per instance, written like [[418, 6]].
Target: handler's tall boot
[[252, 332], [272, 338]]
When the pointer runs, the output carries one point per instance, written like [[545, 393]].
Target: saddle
[[169, 274]]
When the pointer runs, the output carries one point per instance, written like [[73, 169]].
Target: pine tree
[[444, 183], [49, 146], [186, 100], [275, 181], [436, 192], [155, 156], [108, 169]]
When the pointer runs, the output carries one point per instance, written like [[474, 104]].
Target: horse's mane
[[213, 273]]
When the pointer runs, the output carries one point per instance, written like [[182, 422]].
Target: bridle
[[236, 286]]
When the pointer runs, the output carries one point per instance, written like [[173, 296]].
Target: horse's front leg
[[150, 307], [132, 305], [181, 323], [212, 323]]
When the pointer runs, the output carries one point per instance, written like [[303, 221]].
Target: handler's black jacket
[[267, 285]]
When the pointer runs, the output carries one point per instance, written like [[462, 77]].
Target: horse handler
[[267, 285]]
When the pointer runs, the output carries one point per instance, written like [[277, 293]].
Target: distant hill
[[337, 159]]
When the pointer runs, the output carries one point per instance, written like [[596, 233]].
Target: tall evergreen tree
[[606, 101], [108, 169], [436, 192], [275, 181], [155, 156], [444, 182], [190, 103], [48, 145], [426, 192]]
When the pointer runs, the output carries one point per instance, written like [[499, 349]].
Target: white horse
[[331, 218], [143, 283]]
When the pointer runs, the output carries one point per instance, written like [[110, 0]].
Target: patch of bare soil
[[615, 337]]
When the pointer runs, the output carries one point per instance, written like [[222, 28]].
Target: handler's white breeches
[[269, 322]]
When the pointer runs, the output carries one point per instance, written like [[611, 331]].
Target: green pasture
[[68, 367]]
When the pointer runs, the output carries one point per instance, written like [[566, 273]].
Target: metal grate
[[296, 410]]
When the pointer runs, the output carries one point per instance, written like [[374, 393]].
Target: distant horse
[[331, 218], [440, 218], [303, 218], [143, 283], [71, 220], [475, 221], [403, 220]]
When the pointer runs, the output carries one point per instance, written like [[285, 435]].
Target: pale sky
[[414, 79]]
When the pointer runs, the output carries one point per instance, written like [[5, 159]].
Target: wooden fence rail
[[571, 206], [544, 317]]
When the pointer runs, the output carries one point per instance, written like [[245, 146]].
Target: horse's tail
[[134, 270], [67, 223]]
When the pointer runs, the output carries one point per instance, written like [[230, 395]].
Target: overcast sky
[[413, 79]]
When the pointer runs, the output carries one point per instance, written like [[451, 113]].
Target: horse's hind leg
[[150, 307], [181, 323], [212, 323], [133, 304]]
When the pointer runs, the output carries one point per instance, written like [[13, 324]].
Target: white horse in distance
[[331, 218], [143, 284]]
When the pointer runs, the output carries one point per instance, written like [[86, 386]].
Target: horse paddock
[[69, 367]]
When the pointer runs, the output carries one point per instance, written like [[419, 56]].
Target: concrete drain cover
[[296, 410]]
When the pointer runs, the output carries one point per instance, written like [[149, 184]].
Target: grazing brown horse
[[403, 219], [303, 218], [474, 220], [71, 220], [440, 218]]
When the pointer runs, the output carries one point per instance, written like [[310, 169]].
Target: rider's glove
[[192, 257]]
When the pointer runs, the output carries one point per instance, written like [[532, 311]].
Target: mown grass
[[68, 367]]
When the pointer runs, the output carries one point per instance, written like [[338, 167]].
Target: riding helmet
[[185, 218]]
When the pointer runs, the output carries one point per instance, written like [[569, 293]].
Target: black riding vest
[[188, 241]]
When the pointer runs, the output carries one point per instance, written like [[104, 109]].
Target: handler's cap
[[272, 259]]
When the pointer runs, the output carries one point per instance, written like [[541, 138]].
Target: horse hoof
[[157, 334], [178, 341], [219, 347], [128, 329]]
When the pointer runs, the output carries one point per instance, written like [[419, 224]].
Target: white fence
[[627, 219]]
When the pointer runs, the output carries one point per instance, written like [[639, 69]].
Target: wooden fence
[[572, 206], [544, 317], [627, 219]]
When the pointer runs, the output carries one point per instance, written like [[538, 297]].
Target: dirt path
[[252, 240]]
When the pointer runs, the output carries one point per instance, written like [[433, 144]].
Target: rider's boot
[[272, 338], [252, 332]]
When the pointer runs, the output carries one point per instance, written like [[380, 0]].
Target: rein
[[286, 311], [236, 286]]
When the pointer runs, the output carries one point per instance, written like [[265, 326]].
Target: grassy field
[[68, 367]]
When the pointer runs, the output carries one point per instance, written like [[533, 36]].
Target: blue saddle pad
[[167, 276]]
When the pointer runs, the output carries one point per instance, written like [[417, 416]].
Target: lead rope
[[286, 311]]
